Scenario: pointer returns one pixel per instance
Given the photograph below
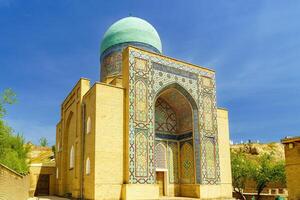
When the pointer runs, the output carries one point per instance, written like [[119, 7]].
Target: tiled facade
[[151, 74], [160, 116]]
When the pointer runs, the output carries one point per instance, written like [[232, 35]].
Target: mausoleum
[[150, 127]]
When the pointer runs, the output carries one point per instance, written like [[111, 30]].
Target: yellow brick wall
[[292, 160], [58, 160], [89, 151], [13, 186], [140, 191], [69, 133], [125, 73], [109, 143], [224, 153], [224, 189]]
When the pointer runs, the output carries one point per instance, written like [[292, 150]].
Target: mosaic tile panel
[[165, 117], [141, 157], [179, 137], [160, 156], [187, 163], [141, 101], [210, 153], [172, 162], [209, 132], [111, 64], [208, 113]]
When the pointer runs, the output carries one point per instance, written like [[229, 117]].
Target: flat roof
[[290, 139]]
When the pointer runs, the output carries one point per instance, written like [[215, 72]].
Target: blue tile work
[[173, 137], [111, 58], [195, 84]]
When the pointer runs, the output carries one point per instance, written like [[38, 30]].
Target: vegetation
[[13, 151], [262, 169], [53, 149], [265, 170], [241, 172], [43, 142]]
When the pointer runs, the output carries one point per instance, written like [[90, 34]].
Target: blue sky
[[254, 45]]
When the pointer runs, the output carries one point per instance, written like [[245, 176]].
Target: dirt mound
[[255, 149], [39, 154]]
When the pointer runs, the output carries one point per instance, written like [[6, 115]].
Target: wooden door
[[42, 186], [160, 182]]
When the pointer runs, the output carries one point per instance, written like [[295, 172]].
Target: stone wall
[[13, 186]]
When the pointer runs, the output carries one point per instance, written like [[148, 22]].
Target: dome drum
[[125, 32]]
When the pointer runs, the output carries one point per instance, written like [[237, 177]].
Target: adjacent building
[[292, 166]]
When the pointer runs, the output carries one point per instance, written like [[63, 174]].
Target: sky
[[254, 46]]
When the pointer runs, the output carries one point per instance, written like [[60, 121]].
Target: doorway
[[174, 153], [160, 181], [42, 187]]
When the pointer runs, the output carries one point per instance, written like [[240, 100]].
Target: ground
[[59, 198], [47, 198]]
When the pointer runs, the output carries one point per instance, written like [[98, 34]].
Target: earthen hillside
[[253, 150], [39, 154]]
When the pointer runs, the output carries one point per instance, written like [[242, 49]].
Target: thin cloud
[[33, 130], [6, 3]]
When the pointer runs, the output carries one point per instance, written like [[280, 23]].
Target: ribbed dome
[[131, 29]]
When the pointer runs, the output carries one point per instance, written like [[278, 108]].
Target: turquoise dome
[[131, 29]]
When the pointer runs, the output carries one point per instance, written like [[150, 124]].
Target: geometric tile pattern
[[210, 158], [181, 106], [173, 162], [141, 160], [210, 165], [187, 163], [165, 117], [111, 64], [160, 156], [141, 101], [155, 73]]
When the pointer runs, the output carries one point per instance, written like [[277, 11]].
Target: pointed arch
[[68, 122], [160, 156], [195, 120], [87, 166], [182, 90], [88, 125], [72, 157]]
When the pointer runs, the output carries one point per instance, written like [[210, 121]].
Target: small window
[[56, 172], [88, 125], [72, 157], [291, 145], [58, 147], [88, 166]]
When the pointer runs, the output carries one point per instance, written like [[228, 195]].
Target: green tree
[[7, 97], [43, 142], [241, 172], [53, 150], [267, 170], [13, 151]]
